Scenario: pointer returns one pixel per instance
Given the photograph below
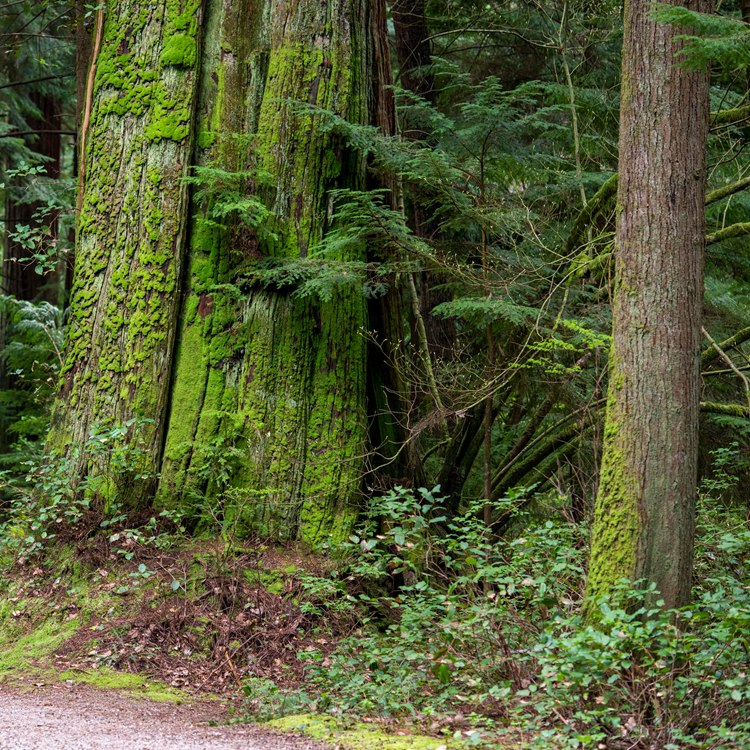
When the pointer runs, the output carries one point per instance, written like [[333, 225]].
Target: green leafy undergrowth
[[479, 638]]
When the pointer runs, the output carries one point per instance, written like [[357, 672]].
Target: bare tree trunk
[[645, 507]]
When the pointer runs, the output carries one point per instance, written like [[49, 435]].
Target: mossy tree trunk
[[264, 407], [131, 226], [273, 381], [210, 350], [645, 507]]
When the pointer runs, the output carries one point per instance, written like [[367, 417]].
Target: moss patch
[[24, 651], [138, 685], [179, 50], [359, 737]]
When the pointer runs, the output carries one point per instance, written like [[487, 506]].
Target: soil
[[229, 626], [80, 718]]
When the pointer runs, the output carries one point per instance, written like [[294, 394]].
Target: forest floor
[[77, 717], [172, 636]]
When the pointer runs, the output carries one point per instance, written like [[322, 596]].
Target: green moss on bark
[[286, 376], [179, 50], [131, 227], [616, 520]]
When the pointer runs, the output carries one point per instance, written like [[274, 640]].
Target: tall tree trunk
[[278, 379], [131, 226], [19, 273], [209, 357], [413, 47], [19, 277], [645, 507], [414, 59]]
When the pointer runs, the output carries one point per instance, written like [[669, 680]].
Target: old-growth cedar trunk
[[645, 507], [131, 226], [273, 382], [278, 378], [210, 352]]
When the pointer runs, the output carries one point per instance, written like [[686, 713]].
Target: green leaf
[[442, 673]]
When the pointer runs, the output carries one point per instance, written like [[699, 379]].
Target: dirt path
[[80, 718]]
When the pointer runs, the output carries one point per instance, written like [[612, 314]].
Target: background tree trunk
[[19, 273], [19, 277], [645, 507]]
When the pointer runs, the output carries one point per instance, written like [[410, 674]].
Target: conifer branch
[[728, 233], [36, 80], [597, 204]]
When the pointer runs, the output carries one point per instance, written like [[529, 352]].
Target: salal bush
[[454, 620]]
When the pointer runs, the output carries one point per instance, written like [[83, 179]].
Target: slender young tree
[[645, 507]]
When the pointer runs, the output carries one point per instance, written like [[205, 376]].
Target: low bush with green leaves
[[454, 621], [54, 496]]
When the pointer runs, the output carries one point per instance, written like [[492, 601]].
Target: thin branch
[[57, 351], [710, 354], [89, 95], [36, 80], [19, 133], [731, 364], [572, 98], [705, 374]]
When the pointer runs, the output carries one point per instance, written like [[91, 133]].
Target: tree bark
[[131, 227], [19, 276], [413, 48], [278, 379], [645, 507]]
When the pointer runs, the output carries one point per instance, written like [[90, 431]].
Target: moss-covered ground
[[358, 735]]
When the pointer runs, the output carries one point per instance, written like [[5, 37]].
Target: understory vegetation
[[414, 620]]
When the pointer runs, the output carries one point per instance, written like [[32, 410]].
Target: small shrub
[[456, 621]]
